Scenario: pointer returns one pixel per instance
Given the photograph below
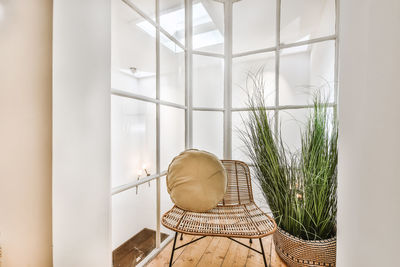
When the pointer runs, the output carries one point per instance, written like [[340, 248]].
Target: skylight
[[174, 23]]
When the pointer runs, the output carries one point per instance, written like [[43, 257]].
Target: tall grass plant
[[300, 187]]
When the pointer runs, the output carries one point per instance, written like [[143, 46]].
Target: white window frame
[[227, 108]]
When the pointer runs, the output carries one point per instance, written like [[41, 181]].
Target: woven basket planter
[[297, 252]]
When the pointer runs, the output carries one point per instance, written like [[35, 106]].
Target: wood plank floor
[[134, 250], [217, 251]]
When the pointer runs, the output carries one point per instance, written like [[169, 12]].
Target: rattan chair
[[235, 216]]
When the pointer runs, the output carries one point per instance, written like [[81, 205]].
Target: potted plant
[[299, 187]]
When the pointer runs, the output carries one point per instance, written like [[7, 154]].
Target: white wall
[[25, 131], [369, 145], [81, 133]]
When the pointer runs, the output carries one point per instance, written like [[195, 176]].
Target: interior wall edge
[[369, 144], [25, 130]]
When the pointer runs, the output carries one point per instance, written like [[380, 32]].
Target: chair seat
[[246, 221]]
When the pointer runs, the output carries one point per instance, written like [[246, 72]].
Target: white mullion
[[147, 99], [158, 129], [128, 186], [140, 12], [156, 23], [172, 38], [285, 107], [252, 52], [208, 109], [277, 63], [307, 42], [207, 54], [188, 75], [284, 46], [336, 75], [228, 80]]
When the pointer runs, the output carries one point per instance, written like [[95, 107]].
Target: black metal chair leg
[[181, 237], [263, 253], [251, 241], [173, 249]]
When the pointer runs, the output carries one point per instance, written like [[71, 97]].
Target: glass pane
[[133, 52], [242, 67], [208, 81], [172, 134], [172, 75], [166, 204], [133, 212], [305, 70], [168, 43], [239, 149], [208, 26], [172, 18], [253, 25], [133, 139], [293, 122], [306, 19], [208, 131], [258, 195]]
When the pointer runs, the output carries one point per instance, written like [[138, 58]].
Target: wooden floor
[[134, 250], [217, 251]]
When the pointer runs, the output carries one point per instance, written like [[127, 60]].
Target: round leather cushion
[[196, 180]]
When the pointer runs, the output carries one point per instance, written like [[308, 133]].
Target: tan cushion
[[196, 180]]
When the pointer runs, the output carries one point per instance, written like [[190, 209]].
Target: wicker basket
[[297, 252]]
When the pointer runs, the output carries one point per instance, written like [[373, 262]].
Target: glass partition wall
[[179, 72]]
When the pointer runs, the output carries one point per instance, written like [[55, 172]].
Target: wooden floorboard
[[237, 254], [162, 259], [192, 254], [134, 250], [215, 253], [218, 251], [255, 259]]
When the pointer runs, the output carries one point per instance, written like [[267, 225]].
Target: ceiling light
[[132, 71]]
